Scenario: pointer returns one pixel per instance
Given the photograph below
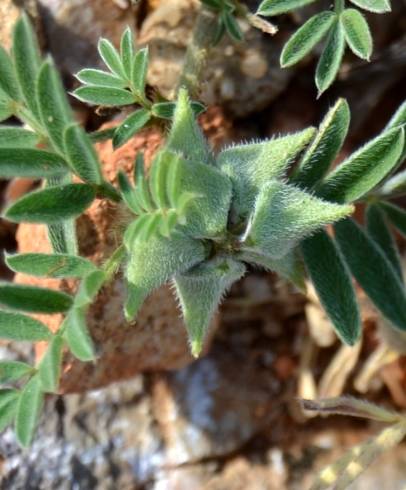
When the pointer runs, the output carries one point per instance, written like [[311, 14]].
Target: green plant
[[341, 26], [198, 219]]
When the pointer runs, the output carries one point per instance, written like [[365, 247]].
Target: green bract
[[340, 27]]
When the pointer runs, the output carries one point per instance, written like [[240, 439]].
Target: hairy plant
[[199, 219], [340, 26]]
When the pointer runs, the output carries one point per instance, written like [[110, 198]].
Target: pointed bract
[[200, 291], [185, 136], [284, 215], [251, 166], [154, 262]]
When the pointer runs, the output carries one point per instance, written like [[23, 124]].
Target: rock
[[9, 12], [72, 29], [242, 77], [205, 411]]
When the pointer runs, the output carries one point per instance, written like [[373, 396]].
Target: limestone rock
[[243, 77]]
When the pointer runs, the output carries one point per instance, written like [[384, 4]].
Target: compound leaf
[[8, 406], [8, 79], [139, 71], [100, 78], [276, 7], [373, 271], [77, 335], [81, 155], [33, 299], [377, 6], [364, 169], [330, 59], [357, 33], [15, 326], [89, 287], [6, 106], [378, 230], [306, 38], [16, 137], [128, 193], [52, 265], [132, 124], [11, 371], [111, 57], [50, 366], [325, 147], [52, 205], [105, 96], [127, 51], [53, 104], [27, 60], [396, 215], [28, 410], [231, 25], [30, 163], [333, 284]]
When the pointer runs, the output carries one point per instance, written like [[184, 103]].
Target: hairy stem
[[198, 51], [339, 6]]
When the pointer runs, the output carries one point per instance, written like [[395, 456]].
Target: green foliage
[[27, 61], [306, 38], [373, 271], [18, 161], [77, 335], [200, 291], [53, 105], [157, 201], [13, 371], [125, 84], [33, 299], [13, 137], [284, 215], [194, 218], [8, 407], [134, 122], [227, 12], [81, 155], [51, 205], [331, 57], [357, 33], [50, 365], [52, 265], [341, 27], [28, 410], [250, 166], [365, 169], [15, 326], [332, 281], [378, 230], [324, 148]]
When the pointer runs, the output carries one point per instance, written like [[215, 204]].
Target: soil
[[229, 420]]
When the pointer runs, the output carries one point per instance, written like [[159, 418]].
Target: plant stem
[[339, 6], [113, 263], [198, 51]]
